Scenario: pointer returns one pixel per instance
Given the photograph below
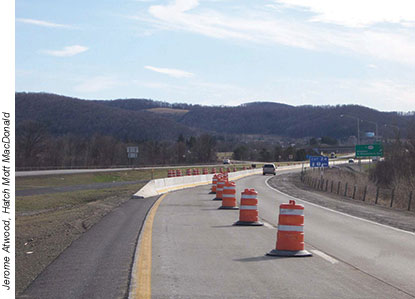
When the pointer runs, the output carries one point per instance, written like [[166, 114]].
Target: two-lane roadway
[[197, 253]]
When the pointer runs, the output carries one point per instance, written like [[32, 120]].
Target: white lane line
[[324, 256], [334, 211]]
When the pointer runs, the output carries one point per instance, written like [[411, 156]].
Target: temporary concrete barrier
[[160, 186]]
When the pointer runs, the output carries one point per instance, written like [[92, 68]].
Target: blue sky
[[220, 52]]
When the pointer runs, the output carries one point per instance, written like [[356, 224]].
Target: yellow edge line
[[141, 280]]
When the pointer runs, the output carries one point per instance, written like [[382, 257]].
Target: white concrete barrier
[[160, 186]]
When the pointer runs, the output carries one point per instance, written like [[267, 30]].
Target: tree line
[[135, 119], [36, 148]]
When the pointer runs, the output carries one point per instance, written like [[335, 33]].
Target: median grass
[[33, 182]]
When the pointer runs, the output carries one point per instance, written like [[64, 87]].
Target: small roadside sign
[[369, 150], [319, 161], [132, 152]]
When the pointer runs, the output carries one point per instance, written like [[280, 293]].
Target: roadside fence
[[398, 198]]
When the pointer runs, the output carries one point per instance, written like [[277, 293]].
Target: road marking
[[334, 211], [325, 256], [141, 278]]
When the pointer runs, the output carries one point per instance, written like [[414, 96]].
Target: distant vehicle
[[351, 161], [333, 155], [375, 159], [269, 169], [226, 161]]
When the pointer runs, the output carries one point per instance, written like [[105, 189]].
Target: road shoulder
[[98, 264], [291, 185]]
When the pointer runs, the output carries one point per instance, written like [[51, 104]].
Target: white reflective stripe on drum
[[291, 212], [228, 188], [248, 208], [219, 189], [291, 228], [248, 196], [228, 195]]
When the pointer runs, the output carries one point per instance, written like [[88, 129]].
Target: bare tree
[[30, 139]]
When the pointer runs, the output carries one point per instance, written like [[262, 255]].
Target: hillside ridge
[[140, 119]]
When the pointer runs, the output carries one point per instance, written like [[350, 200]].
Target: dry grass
[[32, 182], [359, 187], [47, 224]]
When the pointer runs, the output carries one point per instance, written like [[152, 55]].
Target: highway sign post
[[369, 150], [319, 161], [132, 152]]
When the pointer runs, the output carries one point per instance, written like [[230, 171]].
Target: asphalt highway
[[98, 264], [197, 253], [75, 171]]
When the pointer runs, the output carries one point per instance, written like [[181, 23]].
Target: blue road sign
[[319, 161]]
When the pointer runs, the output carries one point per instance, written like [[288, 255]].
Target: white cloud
[[382, 94], [357, 13], [171, 72], [393, 95], [67, 51], [97, 83], [264, 27], [42, 23]]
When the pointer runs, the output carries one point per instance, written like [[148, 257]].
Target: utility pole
[[358, 125]]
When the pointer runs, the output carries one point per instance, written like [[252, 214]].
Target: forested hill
[[143, 119], [63, 115], [290, 121]]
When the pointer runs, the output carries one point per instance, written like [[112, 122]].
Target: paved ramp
[[197, 253]]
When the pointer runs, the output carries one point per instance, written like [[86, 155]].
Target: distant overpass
[[336, 148]]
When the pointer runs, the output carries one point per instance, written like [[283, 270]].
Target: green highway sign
[[369, 150]]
